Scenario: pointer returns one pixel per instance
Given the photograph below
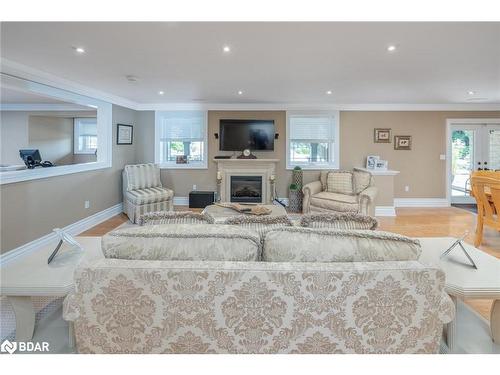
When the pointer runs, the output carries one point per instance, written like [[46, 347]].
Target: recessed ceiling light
[[329, 92], [161, 92], [226, 49], [471, 93], [132, 78], [240, 92], [80, 49], [391, 48]]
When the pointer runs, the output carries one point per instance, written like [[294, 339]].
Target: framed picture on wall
[[382, 135], [402, 142], [124, 134]]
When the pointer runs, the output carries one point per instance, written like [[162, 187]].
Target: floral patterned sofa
[[376, 298]]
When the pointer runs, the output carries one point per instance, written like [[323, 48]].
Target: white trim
[[335, 154], [385, 211], [26, 72], [421, 202], [317, 107], [33, 107], [73, 229], [21, 70], [378, 172], [181, 201]]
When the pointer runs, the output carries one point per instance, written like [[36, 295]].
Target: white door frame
[[460, 121]]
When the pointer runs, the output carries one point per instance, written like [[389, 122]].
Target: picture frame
[[382, 135], [124, 134], [181, 159], [371, 161], [402, 142], [381, 165]]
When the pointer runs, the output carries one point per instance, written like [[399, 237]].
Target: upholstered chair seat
[[143, 191]]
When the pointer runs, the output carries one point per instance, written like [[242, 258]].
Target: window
[[181, 139], [85, 135], [312, 140]]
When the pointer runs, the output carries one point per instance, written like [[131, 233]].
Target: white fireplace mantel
[[266, 168]]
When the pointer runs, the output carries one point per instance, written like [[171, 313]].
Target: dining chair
[[486, 191]]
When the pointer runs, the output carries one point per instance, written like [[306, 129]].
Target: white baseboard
[[385, 211], [421, 202], [73, 229], [184, 201]]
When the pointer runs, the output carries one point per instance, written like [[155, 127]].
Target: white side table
[[465, 282], [32, 276]]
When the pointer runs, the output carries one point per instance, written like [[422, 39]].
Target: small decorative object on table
[[371, 161], [63, 237], [246, 209], [382, 135], [402, 142], [458, 242], [124, 134], [381, 165], [294, 198]]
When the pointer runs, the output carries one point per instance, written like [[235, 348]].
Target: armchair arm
[[309, 190], [447, 309], [71, 310], [367, 200]]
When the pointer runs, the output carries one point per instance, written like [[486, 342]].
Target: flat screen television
[[237, 135]]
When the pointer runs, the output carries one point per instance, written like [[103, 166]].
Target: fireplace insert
[[246, 189]]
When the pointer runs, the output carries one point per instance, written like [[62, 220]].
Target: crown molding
[[29, 73], [32, 74], [43, 107]]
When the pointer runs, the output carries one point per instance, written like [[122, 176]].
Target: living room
[[250, 187]]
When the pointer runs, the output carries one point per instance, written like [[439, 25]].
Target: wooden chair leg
[[479, 230]]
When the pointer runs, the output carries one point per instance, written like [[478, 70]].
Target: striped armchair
[[143, 191]]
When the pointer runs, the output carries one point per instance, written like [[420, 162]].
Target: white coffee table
[[32, 276], [465, 282], [220, 214]]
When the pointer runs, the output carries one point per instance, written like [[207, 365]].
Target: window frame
[[172, 164], [76, 137], [333, 143], [104, 131]]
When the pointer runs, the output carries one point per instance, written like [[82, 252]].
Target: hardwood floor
[[413, 222]]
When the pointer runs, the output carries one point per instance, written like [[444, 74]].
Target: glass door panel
[[493, 147], [462, 162]]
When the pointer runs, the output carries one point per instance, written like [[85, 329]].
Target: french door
[[472, 145]]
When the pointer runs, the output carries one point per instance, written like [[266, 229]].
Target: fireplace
[[246, 189]]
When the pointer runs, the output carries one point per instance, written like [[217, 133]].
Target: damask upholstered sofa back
[[140, 306]]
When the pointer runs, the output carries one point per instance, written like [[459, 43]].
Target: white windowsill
[[183, 166], [313, 167], [38, 173]]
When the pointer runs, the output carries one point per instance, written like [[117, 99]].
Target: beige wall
[[31, 209], [13, 136], [52, 136], [421, 169]]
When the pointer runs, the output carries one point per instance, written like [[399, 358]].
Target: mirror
[[63, 133], [48, 131]]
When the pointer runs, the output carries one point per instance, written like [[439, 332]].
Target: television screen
[[237, 135]]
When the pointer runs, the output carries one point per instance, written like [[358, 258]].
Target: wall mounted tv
[[237, 135]]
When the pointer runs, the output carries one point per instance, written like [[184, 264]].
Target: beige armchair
[[143, 191], [341, 191]]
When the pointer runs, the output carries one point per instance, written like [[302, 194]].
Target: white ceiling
[[435, 63]]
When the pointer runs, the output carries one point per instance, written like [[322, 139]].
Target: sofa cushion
[[339, 221], [140, 176], [260, 224], [335, 202], [183, 242], [340, 182], [175, 217], [362, 180], [329, 245], [149, 195]]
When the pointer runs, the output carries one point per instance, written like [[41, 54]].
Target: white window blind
[[85, 135], [181, 134], [312, 140]]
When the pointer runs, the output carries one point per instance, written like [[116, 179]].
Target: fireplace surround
[[246, 189]]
